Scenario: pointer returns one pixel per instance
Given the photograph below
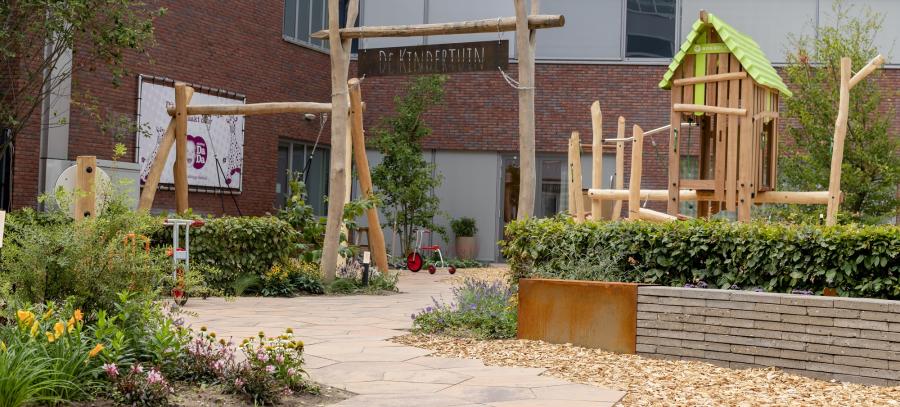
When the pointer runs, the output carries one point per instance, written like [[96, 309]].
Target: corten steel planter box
[[466, 247], [592, 314]]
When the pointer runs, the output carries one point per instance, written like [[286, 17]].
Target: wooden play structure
[[722, 85], [176, 134], [340, 40]]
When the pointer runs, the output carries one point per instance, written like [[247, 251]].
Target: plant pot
[[466, 247]]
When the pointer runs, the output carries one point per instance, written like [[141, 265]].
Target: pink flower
[[111, 370], [270, 369], [279, 358], [292, 372], [154, 376], [238, 383], [137, 368], [262, 357]]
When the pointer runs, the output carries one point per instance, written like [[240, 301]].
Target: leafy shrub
[[349, 280], [139, 388], [273, 368], [463, 227], [305, 276], [299, 214], [48, 257], [243, 245], [277, 282], [858, 261], [481, 309], [205, 359]]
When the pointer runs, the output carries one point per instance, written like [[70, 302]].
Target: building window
[[304, 17], [311, 164], [650, 29]]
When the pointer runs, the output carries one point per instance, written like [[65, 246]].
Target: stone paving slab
[[347, 348]]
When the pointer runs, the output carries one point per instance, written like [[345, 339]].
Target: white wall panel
[[593, 30], [392, 12], [888, 37], [445, 11]]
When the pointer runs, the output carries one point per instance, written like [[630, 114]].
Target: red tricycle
[[414, 260]]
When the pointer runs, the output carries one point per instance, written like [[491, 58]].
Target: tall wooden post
[[837, 151], [181, 180], [596, 158], [376, 235], [340, 110], [620, 166], [525, 40], [637, 170], [85, 186]]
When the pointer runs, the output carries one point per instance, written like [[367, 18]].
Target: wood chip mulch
[[656, 382]]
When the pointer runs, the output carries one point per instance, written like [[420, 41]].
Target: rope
[[322, 121], [512, 82]]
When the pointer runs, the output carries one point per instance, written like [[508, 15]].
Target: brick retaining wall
[[848, 339]]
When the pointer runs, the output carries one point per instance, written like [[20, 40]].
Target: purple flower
[[279, 358], [262, 357], [270, 369]]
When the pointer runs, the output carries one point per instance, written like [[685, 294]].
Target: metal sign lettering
[[434, 59]]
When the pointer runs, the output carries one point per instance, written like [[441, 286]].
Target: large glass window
[[311, 162], [650, 29], [302, 18]]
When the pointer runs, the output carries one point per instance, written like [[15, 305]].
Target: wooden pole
[[577, 180], [620, 166], [85, 187], [256, 108], [570, 178], [181, 180], [596, 157], [654, 216], [159, 162], [837, 151], [525, 53], [340, 103], [634, 186], [490, 25], [376, 235]]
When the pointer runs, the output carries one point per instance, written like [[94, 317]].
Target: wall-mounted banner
[[215, 143], [434, 59]]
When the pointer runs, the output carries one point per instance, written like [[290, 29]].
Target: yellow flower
[[212, 334], [50, 337], [59, 329], [289, 330], [97, 349], [47, 314], [78, 315], [3, 346], [70, 325], [34, 329], [25, 317], [203, 328]]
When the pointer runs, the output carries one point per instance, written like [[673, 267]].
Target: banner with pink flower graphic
[[215, 143]]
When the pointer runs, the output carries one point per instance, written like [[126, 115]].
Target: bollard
[[365, 272]]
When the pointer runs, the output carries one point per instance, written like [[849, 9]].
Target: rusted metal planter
[[592, 314]]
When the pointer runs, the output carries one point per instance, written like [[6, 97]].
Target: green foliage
[[871, 166], [49, 257], [273, 367], [403, 177], [241, 246], [103, 30], [299, 214], [859, 261], [434, 260], [349, 280], [479, 309], [277, 283], [463, 227]]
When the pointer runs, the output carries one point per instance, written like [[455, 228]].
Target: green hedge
[[859, 261], [242, 245]]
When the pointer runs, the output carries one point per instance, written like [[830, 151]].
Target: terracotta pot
[[466, 247]]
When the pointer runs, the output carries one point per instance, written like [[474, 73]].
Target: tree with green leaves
[[404, 179], [871, 166], [42, 42]]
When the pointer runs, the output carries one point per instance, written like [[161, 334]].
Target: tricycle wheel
[[414, 262], [452, 270], [431, 269]]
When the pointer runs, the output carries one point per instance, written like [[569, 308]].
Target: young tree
[[38, 38], [404, 178], [871, 166]]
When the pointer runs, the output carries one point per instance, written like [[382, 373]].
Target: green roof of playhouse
[[744, 48]]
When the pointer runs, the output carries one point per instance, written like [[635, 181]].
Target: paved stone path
[[347, 347]]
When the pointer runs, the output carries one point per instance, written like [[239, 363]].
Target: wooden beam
[[85, 187], [156, 167], [596, 157], [525, 52], [255, 109], [181, 179], [620, 166], [704, 184], [577, 180], [874, 64], [376, 235], [684, 107], [710, 78], [781, 197], [490, 25], [837, 150], [745, 147], [340, 110], [634, 186], [654, 216]]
